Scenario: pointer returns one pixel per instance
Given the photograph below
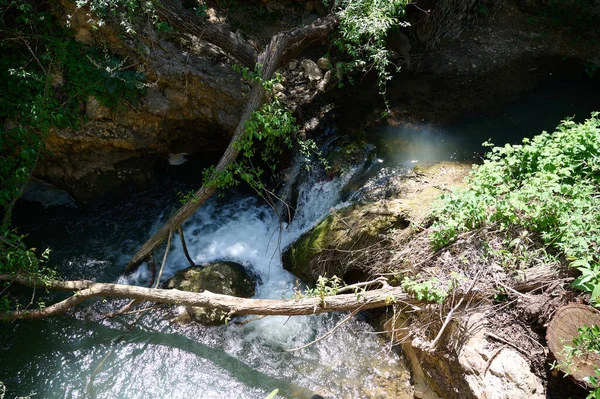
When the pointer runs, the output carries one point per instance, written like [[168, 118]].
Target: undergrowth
[[549, 185]]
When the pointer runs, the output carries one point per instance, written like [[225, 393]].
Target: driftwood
[[233, 306], [282, 46]]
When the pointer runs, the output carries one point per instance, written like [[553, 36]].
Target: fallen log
[[232, 306]]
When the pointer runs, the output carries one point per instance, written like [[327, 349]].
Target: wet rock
[[341, 244], [227, 278], [311, 70]]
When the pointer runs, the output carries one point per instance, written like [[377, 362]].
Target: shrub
[[549, 185]]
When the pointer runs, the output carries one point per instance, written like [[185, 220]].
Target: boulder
[[469, 367], [227, 278]]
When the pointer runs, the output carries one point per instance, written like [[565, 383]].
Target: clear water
[[86, 356]]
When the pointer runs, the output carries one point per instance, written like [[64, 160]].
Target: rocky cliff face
[[192, 104], [457, 56]]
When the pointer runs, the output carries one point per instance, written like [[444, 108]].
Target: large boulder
[[227, 278], [352, 243], [343, 242]]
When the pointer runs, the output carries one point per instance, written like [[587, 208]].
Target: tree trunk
[[231, 305], [281, 46]]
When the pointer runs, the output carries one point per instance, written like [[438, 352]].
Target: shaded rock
[[227, 278], [311, 70], [323, 63], [94, 110], [293, 65], [324, 84], [46, 194]]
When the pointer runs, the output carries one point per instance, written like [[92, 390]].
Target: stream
[[86, 356]]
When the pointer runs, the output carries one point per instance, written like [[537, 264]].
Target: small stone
[[94, 110], [311, 70], [293, 65], [278, 87], [323, 63]]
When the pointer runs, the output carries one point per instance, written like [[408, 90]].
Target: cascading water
[[159, 359], [87, 356]]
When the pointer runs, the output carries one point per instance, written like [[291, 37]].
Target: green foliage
[[586, 342], [45, 78], [266, 132], [324, 287], [549, 185], [127, 12], [363, 28], [431, 290]]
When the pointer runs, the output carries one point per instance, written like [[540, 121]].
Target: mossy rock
[[227, 278], [342, 242]]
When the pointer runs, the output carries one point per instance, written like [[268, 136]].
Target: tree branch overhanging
[[281, 47]]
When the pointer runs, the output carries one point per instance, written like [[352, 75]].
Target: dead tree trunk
[[282, 46], [235, 306]]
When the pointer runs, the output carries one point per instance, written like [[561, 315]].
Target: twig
[[157, 282], [449, 316], [378, 280], [491, 359], [124, 309], [513, 290], [341, 218], [354, 312], [497, 338], [185, 250]]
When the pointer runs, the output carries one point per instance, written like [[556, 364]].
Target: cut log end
[[562, 329]]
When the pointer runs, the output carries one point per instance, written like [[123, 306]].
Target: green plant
[[324, 287], [431, 290], [364, 26], [587, 341], [549, 186]]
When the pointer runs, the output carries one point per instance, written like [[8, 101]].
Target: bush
[[549, 185]]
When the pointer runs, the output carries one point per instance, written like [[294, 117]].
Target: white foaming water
[[246, 231]]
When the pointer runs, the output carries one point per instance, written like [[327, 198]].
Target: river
[[87, 356]]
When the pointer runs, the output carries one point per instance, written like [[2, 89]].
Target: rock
[[157, 103], [278, 87], [324, 83], [311, 70], [94, 110], [462, 371], [46, 194], [293, 65], [227, 278], [351, 229], [323, 63]]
